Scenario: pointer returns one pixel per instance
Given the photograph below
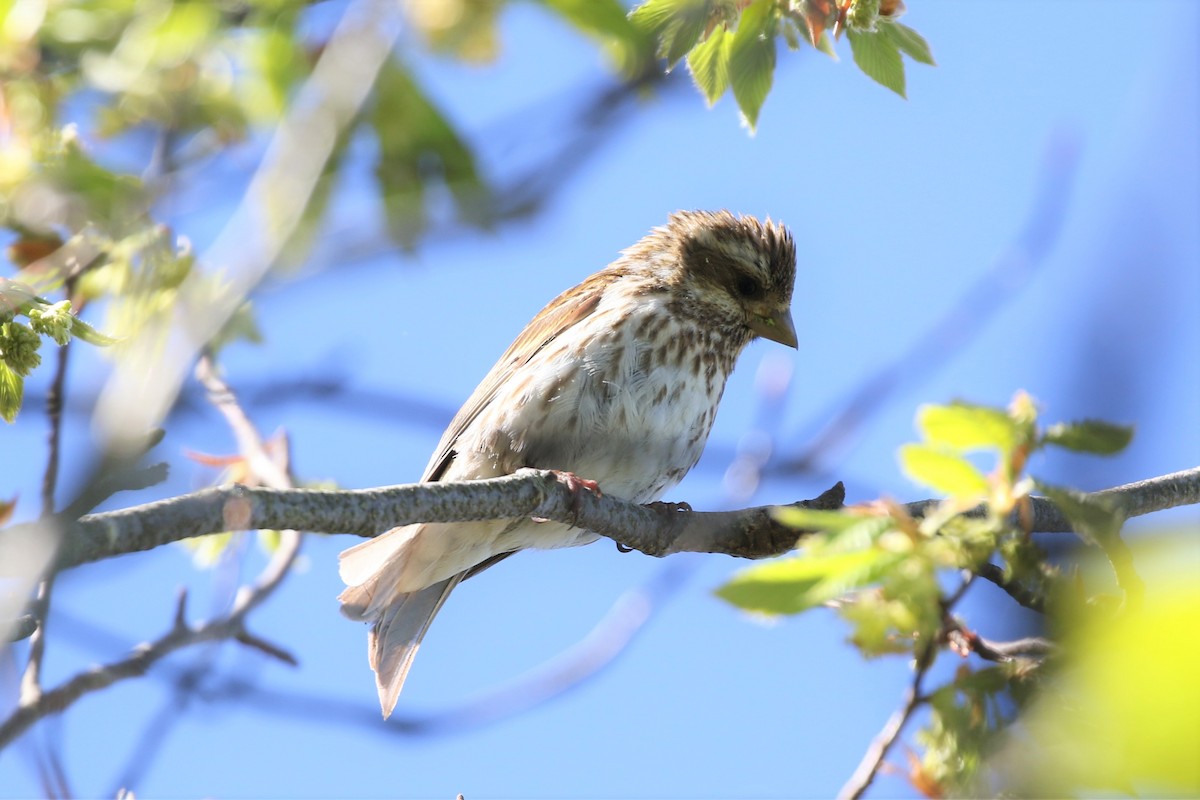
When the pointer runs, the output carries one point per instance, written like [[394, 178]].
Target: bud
[[19, 347], [862, 16], [54, 321]]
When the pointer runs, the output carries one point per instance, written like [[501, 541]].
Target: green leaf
[[911, 43], [678, 24], [12, 388], [963, 427], [792, 585], [1095, 519], [943, 471], [81, 330], [879, 57], [1090, 436], [709, 64], [752, 58]]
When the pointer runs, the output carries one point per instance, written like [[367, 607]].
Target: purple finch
[[616, 381]]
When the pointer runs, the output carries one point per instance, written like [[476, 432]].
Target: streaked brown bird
[[617, 381]]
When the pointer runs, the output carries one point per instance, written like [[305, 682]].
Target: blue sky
[[899, 207]]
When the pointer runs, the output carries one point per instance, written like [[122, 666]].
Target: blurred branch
[[263, 223], [657, 529], [1025, 597], [950, 333], [34, 706]]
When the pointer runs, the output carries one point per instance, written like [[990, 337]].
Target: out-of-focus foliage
[[103, 103], [886, 572], [1123, 712]]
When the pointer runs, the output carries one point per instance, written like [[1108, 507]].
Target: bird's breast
[[628, 403]]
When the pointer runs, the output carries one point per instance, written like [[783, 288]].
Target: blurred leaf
[[12, 389], [962, 427], [269, 540], [1095, 519], [788, 28], [818, 15], [207, 550], [30, 247], [1122, 714], [709, 64], [111, 199], [1090, 436], [6, 510], [879, 58], [240, 327], [752, 58], [465, 30], [276, 63], [791, 585], [942, 471], [814, 520], [417, 145], [911, 43], [608, 21], [677, 24]]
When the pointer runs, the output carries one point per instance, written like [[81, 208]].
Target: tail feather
[[394, 638], [363, 561]]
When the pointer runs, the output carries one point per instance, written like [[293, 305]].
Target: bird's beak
[[776, 325]]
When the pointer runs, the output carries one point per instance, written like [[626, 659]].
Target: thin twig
[[181, 634], [872, 760], [963, 320], [1034, 647], [927, 652], [264, 222], [1024, 596], [54, 404], [39, 609]]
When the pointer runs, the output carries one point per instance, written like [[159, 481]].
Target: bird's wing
[[565, 311]]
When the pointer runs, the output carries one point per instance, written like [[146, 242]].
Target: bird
[[614, 385]]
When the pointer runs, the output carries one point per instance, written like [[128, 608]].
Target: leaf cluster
[[884, 568], [732, 44]]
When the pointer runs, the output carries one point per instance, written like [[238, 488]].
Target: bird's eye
[[748, 287]]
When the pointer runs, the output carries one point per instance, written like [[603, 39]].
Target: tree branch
[[34, 705], [872, 760], [656, 529]]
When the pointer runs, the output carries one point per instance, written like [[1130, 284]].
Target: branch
[[34, 705], [872, 760], [657, 529]]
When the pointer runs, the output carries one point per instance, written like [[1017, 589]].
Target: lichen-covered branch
[[655, 529]]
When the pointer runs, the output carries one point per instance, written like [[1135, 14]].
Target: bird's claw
[[669, 506]]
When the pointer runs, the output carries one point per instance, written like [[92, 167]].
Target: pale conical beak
[[775, 325]]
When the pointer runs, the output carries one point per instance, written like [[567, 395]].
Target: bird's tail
[[399, 619]]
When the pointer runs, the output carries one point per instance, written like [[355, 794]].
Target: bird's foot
[[575, 485]]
